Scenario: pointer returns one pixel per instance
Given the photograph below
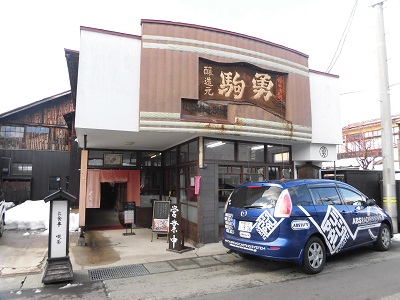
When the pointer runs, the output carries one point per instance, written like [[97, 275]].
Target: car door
[[334, 216], [366, 219]]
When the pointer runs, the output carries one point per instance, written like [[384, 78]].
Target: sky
[[34, 35]]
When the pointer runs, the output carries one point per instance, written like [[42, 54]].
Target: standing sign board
[[59, 229], [176, 237], [129, 216], [160, 217], [175, 233], [58, 267]]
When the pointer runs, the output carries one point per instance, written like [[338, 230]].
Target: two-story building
[[186, 112], [35, 144]]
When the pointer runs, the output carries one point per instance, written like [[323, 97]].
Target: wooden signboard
[[176, 238], [160, 222]]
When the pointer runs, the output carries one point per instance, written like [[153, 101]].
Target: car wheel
[[314, 256], [383, 241]]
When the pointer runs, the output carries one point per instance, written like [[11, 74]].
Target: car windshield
[[255, 196]]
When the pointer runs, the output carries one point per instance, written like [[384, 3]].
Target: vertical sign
[[197, 185], [58, 228], [175, 233], [58, 266]]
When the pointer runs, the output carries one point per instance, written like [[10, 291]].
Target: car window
[[351, 197], [300, 195], [325, 196], [264, 196]]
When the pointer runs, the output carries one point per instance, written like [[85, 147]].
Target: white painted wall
[[326, 124], [314, 152], [325, 109], [108, 82]]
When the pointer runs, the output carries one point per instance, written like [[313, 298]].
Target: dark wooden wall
[[50, 115], [46, 151]]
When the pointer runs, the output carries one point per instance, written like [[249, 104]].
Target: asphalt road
[[359, 274]]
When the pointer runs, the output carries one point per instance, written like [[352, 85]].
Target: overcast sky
[[35, 33]]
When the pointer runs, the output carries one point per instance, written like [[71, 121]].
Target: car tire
[[383, 241], [314, 256]]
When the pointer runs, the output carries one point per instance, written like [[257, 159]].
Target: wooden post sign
[[58, 267], [176, 237], [160, 218]]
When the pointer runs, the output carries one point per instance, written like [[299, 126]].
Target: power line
[[339, 47]]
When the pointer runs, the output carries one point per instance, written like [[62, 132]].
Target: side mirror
[[371, 202]]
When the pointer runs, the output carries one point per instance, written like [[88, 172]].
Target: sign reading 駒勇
[[243, 82]]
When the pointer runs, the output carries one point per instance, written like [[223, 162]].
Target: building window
[[54, 184], [278, 154], [170, 182], [21, 169], [38, 129], [189, 152], [186, 184], [170, 157], [251, 152], [12, 131], [129, 159], [151, 159], [150, 184], [95, 158], [219, 150], [228, 178]]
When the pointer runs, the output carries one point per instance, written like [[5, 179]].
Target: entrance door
[[108, 216]]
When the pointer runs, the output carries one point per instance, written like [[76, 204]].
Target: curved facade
[[177, 56]]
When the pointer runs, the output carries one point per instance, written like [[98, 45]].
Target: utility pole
[[389, 184]]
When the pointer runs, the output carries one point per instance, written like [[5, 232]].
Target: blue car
[[302, 221]]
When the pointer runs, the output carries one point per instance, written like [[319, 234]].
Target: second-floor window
[[12, 131], [21, 169]]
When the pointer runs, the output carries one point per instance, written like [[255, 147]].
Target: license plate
[[245, 226]]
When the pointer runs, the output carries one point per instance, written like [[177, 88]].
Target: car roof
[[286, 183]]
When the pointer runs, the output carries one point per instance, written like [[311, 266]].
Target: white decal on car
[[239, 245], [300, 225], [335, 229], [244, 234], [373, 237], [371, 218], [266, 224], [229, 223]]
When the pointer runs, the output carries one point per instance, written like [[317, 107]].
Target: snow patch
[[34, 215]]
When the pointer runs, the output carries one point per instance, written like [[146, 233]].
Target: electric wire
[[342, 40]]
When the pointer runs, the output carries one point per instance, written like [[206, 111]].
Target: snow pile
[[33, 215], [8, 205], [28, 215]]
